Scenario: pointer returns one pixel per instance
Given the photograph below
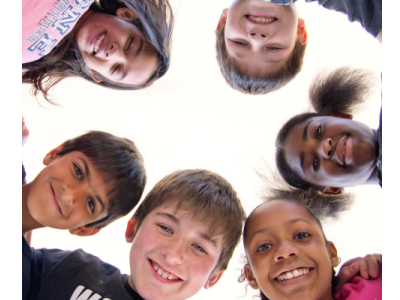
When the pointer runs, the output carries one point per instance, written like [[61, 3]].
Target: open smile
[[163, 275], [294, 276], [344, 150], [98, 43], [260, 20]]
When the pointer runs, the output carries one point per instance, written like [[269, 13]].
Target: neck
[[28, 222]]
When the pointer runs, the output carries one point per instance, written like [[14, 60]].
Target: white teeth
[[163, 273], [293, 274], [98, 43], [261, 19]]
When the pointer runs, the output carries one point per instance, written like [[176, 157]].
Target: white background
[[192, 119]]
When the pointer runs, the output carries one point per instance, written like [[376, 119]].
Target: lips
[[162, 274], [55, 199], [344, 150]]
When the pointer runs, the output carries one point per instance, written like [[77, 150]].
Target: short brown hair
[[261, 83], [208, 197], [120, 163]]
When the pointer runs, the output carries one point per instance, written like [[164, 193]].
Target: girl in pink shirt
[[289, 257], [119, 44]]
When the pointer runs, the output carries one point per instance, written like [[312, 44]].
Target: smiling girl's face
[[115, 48], [331, 151], [287, 252]]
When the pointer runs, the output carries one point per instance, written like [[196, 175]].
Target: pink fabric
[[46, 22], [362, 289]]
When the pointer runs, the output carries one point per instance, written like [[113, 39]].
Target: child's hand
[[365, 267], [25, 132]]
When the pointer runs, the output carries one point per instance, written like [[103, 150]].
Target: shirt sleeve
[[367, 12], [43, 261], [361, 288]]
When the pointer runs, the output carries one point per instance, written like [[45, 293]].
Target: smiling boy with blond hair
[[260, 44], [183, 236]]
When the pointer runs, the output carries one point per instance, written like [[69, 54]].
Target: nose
[[285, 251], [327, 148], [174, 252], [258, 37], [71, 193], [113, 50]]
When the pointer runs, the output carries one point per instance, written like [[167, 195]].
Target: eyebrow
[[124, 75], [170, 217], [302, 154], [298, 220], [207, 238], [140, 48], [305, 131], [302, 162], [262, 230], [87, 172]]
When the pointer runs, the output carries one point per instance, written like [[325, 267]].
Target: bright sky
[[192, 119]]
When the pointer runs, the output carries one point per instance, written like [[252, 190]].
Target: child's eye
[[264, 247], [115, 70], [91, 204], [315, 164], [78, 172], [166, 229], [240, 43], [130, 42], [199, 248], [319, 131], [273, 48], [302, 235]]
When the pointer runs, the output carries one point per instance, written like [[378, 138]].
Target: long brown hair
[[155, 19]]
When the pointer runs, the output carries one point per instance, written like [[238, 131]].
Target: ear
[[222, 19], [302, 31], [332, 191], [343, 115], [248, 273], [213, 280], [84, 231], [126, 14], [333, 256], [52, 155], [95, 76], [130, 230]]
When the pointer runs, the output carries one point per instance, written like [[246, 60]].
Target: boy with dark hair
[[261, 43], [183, 236], [88, 182]]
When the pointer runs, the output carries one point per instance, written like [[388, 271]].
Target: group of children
[[186, 228]]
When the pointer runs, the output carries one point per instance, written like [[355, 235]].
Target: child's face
[[115, 48], [171, 256], [284, 241], [260, 36], [68, 193], [331, 151]]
